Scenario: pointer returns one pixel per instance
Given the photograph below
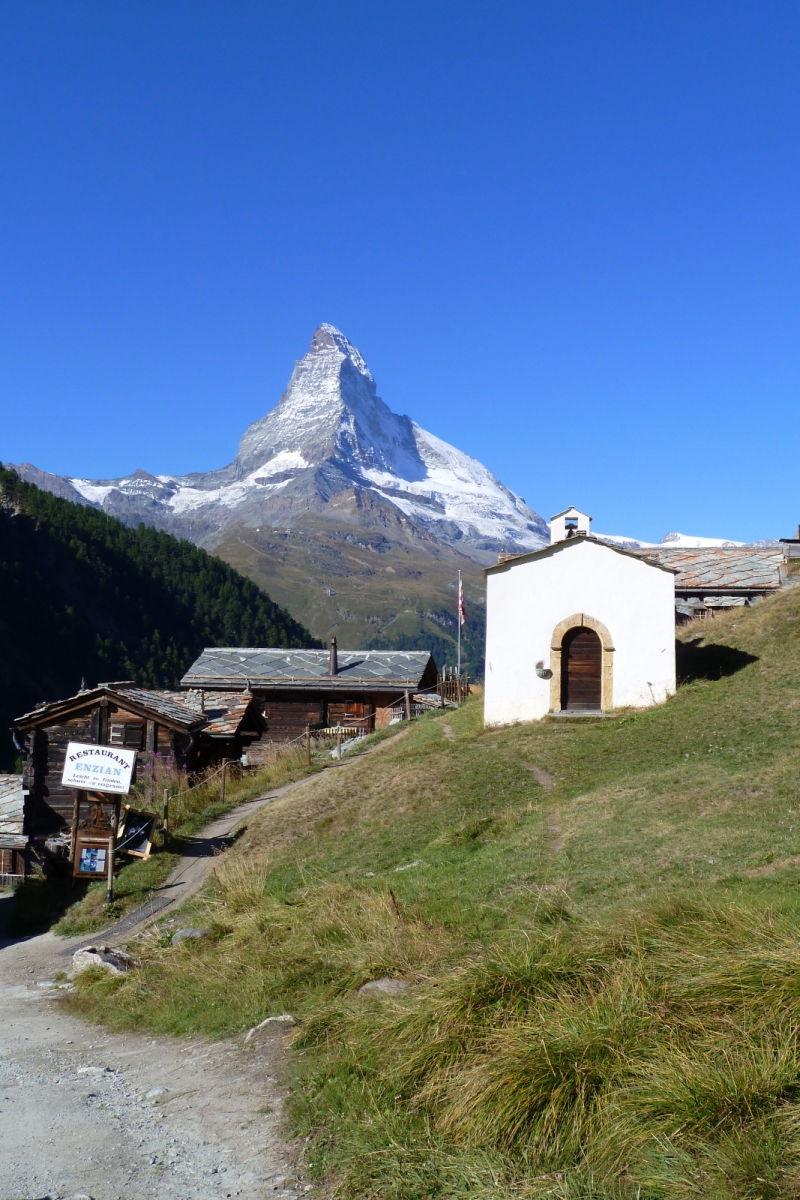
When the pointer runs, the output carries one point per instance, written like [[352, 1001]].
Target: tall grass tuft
[[655, 1058]]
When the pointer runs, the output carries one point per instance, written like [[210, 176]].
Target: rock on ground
[[385, 987]]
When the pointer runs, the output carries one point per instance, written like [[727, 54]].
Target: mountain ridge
[[351, 516]]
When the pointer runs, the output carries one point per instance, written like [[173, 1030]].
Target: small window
[[116, 735], [133, 736]]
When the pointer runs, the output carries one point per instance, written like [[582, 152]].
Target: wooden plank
[[581, 667]]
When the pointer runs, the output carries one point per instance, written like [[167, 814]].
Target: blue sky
[[564, 236]]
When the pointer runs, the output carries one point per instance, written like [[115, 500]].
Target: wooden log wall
[[288, 715], [49, 805], [287, 719], [351, 712]]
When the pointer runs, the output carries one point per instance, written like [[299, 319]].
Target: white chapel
[[580, 625]]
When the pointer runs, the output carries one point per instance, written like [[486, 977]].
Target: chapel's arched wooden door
[[581, 667]]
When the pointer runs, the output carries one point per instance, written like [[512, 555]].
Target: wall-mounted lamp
[[543, 672]]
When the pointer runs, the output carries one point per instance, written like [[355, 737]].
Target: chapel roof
[[506, 560], [568, 512]]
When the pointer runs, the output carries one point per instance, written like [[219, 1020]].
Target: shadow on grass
[[695, 661], [39, 903]]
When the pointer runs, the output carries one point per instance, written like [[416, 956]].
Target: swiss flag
[[462, 616]]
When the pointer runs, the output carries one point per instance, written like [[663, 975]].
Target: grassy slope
[[605, 978]]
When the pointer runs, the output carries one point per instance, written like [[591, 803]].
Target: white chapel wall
[[527, 599]]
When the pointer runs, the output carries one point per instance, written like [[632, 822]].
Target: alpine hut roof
[[263, 668], [721, 569], [161, 705], [223, 712]]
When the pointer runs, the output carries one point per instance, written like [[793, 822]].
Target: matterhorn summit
[[331, 410], [330, 446]]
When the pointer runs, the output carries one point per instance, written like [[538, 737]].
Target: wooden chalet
[[121, 714], [348, 689]]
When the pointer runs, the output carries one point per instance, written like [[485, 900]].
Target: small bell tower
[[569, 524]]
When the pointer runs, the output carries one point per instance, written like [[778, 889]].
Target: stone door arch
[[582, 621]]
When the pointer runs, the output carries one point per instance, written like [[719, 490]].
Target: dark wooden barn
[[348, 689]]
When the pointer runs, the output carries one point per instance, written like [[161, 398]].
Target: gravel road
[[87, 1113]]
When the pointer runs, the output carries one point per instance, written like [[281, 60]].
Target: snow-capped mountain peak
[[330, 433], [677, 541], [331, 408]]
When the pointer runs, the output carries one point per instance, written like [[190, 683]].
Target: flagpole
[[458, 621]]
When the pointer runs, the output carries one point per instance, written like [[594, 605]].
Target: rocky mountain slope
[[353, 517]]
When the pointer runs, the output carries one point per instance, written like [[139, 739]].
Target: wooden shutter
[[133, 735]]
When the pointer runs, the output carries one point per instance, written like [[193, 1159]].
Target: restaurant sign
[[98, 768]]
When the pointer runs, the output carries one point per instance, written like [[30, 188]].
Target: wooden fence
[[451, 687]]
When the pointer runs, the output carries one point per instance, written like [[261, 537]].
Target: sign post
[[102, 770], [112, 846]]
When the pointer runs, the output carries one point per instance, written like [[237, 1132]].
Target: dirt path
[[85, 1112], [74, 1106], [197, 862], [110, 1116]]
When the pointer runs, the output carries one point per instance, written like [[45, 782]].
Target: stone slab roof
[[223, 712], [263, 668], [731, 569], [155, 705]]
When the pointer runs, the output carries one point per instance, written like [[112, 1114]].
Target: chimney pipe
[[333, 665]]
